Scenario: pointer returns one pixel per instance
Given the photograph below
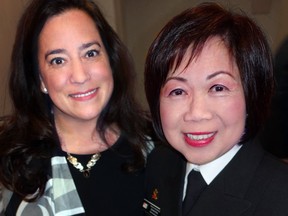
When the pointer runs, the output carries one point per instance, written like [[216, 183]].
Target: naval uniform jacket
[[252, 183]]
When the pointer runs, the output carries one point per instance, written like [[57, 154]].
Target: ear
[[43, 87]]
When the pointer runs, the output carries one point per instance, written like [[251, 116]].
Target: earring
[[44, 90]]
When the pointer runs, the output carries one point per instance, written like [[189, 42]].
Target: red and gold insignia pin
[[155, 194]]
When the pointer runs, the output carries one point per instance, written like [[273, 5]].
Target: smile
[[200, 137], [83, 94]]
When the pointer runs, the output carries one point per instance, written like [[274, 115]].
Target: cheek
[[108, 77], [165, 116], [55, 83], [170, 116], [101, 72], [235, 112]]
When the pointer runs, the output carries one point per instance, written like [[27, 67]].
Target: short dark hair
[[243, 38]]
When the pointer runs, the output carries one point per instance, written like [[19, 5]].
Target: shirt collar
[[210, 170]]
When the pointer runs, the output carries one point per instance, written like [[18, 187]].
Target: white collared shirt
[[210, 170]]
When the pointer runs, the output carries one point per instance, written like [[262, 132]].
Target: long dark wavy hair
[[28, 136], [243, 38]]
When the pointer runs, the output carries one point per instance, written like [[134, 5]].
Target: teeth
[[200, 137], [84, 95]]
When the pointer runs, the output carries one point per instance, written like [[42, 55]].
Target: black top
[[109, 191]]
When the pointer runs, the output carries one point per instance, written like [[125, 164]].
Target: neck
[[81, 137]]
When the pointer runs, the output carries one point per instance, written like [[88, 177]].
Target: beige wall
[[137, 22], [9, 14], [144, 19]]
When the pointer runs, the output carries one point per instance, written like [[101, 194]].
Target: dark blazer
[[253, 183]]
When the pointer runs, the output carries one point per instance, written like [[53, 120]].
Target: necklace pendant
[[79, 166], [86, 173]]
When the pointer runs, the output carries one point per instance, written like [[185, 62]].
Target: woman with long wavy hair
[[76, 140]]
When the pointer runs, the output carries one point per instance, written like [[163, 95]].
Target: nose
[[198, 109], [79, 72]]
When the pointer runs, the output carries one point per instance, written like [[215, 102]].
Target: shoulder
[[165, 150], [272, 180], [267, 168], [164, 161], [278, 170], [164, 154]]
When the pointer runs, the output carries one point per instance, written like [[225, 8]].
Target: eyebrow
[[82, 47], [51, 52], [87, 45], [217, 73], [181, 79]]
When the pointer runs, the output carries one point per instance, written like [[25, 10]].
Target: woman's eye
[[92, 53], [218, 88], [57, 61], [177, 92]]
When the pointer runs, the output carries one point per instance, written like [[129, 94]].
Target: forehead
[[78, 19], [213, 52], [69, 13], [68, 29]]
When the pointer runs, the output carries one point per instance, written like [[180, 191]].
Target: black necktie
[[195, 186]]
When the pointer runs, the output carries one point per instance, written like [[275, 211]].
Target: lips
[[83, 94], [199, 139]]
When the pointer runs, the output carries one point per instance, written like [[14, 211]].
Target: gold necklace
[[79, 166]]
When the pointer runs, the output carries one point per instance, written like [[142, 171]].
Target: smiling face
[[74, 66], [202, 106]]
